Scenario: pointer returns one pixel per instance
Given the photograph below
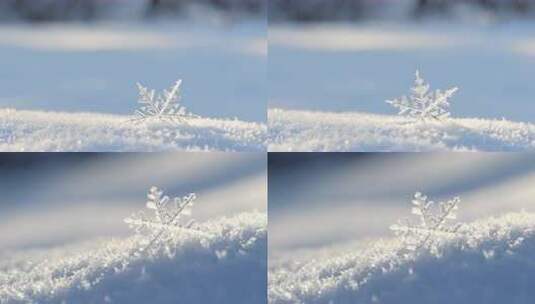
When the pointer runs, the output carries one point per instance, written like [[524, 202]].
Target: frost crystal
[[166, 218], [423, 104], [433, 225], [164, 106]]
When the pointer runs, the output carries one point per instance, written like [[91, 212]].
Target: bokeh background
[[352, 55], [324, 202], [55, 199]]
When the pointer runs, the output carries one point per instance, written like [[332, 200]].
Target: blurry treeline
[[313, 10], [50, 10], [295, 10]]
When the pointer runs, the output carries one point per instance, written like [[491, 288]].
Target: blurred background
[[313, 10], [352, 55], [46, 10], [53, 199], [87, 55], [323, 202]]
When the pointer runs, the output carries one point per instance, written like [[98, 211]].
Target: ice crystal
[[434, 223], [167, 217], [165, 106], [424, 104]]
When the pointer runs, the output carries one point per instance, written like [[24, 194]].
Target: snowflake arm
[[146, 99], [171, 97]]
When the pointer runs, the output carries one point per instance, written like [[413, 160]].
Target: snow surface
[[54, 131], [291, 130], [223, 262], [489, 261]]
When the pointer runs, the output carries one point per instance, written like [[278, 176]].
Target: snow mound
[[53, 131], [489, 261], [224, 262], [305, 131]]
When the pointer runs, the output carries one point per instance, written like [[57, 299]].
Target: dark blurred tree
[[312, 10], [175, 6], [41, 10], [426, 7], [522, 5], [154, 6], [164, 7]]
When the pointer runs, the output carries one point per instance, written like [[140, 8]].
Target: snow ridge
[[55, 131], [222, 261], [489, 261], [291, 130]]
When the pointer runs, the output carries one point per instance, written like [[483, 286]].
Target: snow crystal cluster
[[166, 219], [164, 107], [433, 224], [423, 104]]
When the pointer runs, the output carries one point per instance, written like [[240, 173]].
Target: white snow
[[22, 130], [293, 130], [489, 261], [224, 262]]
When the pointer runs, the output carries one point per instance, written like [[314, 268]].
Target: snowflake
[[433, 225], [165, 220], [423, 104], [164, 106]]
